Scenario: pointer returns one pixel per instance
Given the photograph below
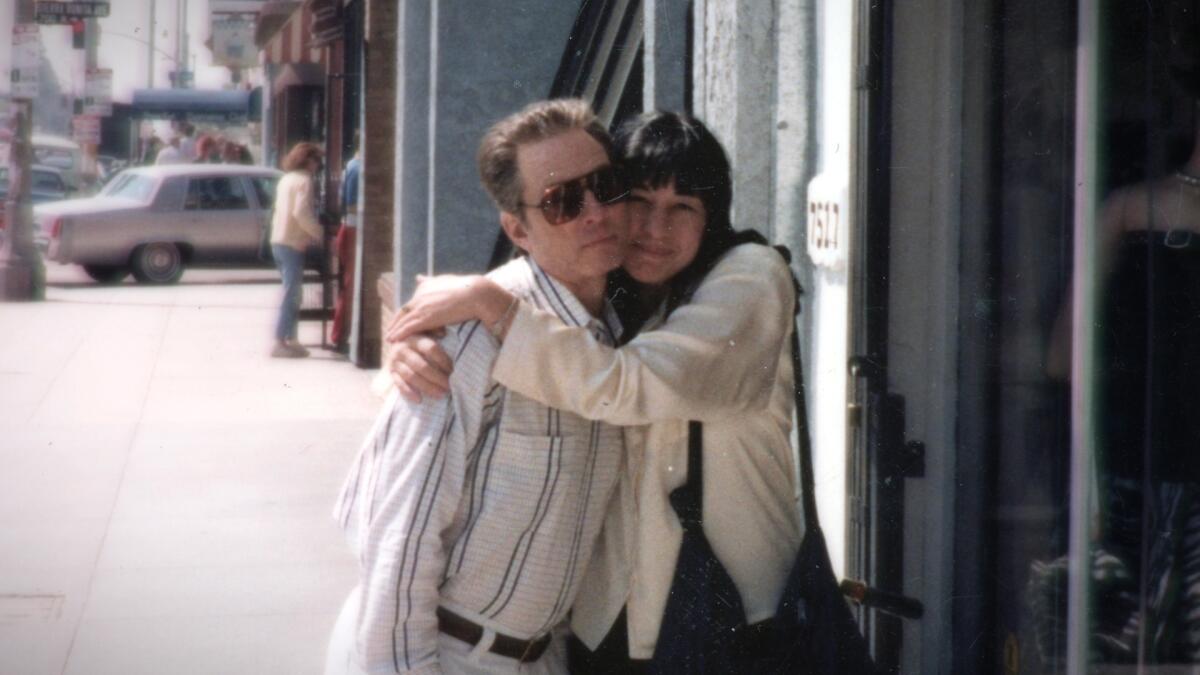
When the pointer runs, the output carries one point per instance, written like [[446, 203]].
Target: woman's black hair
[[657, 149]]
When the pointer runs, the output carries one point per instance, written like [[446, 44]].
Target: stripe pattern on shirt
[[486, 503]]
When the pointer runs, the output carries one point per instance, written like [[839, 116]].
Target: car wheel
[[158, 263], [106, 274]]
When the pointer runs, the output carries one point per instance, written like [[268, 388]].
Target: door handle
[[884, 601]]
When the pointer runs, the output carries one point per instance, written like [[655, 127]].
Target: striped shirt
[[486, 503]]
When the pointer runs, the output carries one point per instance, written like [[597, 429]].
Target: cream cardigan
[[723, 358], [294, 222]]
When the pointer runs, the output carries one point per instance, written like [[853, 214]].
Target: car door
[[221, 224]]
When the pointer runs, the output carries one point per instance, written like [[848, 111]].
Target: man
[[345, 246], [474, 517], [171, 153], [187, 144]]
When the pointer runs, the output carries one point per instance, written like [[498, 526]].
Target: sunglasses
[[563, 203]]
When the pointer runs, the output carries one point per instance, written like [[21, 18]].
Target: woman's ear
[[516, 229]]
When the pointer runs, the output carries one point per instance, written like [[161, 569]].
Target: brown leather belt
[[459, 628]]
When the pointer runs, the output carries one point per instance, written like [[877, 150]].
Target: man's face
[[580, 250]]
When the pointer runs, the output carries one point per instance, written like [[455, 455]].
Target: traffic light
[[77, 34]]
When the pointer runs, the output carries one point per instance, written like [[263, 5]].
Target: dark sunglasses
[[563, 203]]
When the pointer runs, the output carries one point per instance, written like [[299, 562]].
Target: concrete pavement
[[165, 488]]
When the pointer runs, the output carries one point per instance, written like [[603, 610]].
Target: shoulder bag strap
[[803, 440], [689, 504]]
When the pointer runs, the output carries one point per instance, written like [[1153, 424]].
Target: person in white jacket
[[294, 227], [716, 311]]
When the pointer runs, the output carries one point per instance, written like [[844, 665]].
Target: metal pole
[[179, 53], [183, 28], [1083, 358], [91, 52], [22, 275], [150, 51]]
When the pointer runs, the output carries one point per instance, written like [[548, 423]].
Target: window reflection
[[1144, 564]]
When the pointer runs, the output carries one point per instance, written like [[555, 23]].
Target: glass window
[[116, 183], [1129, 500], [219, 193], [44, 181], [56, 157], [264, 188], [136, 187]]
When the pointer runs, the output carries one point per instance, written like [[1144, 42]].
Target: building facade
[[941, 171]]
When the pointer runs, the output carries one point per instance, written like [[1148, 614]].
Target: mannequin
[[1148, 393]]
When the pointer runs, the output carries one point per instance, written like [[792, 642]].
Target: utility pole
[[22, 275], [91, 62], [182, 64], [150, 51]]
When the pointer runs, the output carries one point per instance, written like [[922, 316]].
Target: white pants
[[455, 656]]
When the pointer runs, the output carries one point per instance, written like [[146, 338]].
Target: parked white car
[[154, 221], [63, 154]]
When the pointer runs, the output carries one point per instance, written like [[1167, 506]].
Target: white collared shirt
[[486, 503], [723, 358]]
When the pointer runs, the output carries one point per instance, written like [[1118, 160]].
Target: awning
[[298, 75], [193, 104]]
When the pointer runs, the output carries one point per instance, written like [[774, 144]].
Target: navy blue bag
[[704, 626], [814, 630], [704, 620]]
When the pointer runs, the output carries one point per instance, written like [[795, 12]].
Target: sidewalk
[[165, 488]]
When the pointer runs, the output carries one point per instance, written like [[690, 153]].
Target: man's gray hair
[[497, 157]]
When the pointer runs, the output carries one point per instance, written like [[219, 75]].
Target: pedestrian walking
[[294, 227]]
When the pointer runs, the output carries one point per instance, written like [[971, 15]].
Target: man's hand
[[419, 367]]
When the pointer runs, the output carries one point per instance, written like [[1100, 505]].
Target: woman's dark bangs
[[654, 170]]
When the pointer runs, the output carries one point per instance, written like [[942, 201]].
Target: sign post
[[22, 275], [26, 61], [85, 129], [97, 92]]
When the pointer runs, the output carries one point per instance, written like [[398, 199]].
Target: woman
[[716, 314], [294, 227]]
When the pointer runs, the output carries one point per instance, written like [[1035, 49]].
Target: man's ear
[[516, 229]]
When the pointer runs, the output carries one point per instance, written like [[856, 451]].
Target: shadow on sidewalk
[[183, 282]]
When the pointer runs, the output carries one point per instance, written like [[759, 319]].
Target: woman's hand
[[448, 299], [419, 367]]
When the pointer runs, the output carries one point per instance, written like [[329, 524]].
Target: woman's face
[[665, 233]]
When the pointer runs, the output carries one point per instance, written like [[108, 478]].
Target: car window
[[138, 188], [44, 181], [264, 187], [217, 193], [63, 159], [115, 183]]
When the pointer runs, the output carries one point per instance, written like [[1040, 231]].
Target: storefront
[[992, 210]]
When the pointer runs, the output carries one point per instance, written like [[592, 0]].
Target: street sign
[[85, 129], [97, 92], [47, 12], [26, 61], [180, 79], [232, 40]]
